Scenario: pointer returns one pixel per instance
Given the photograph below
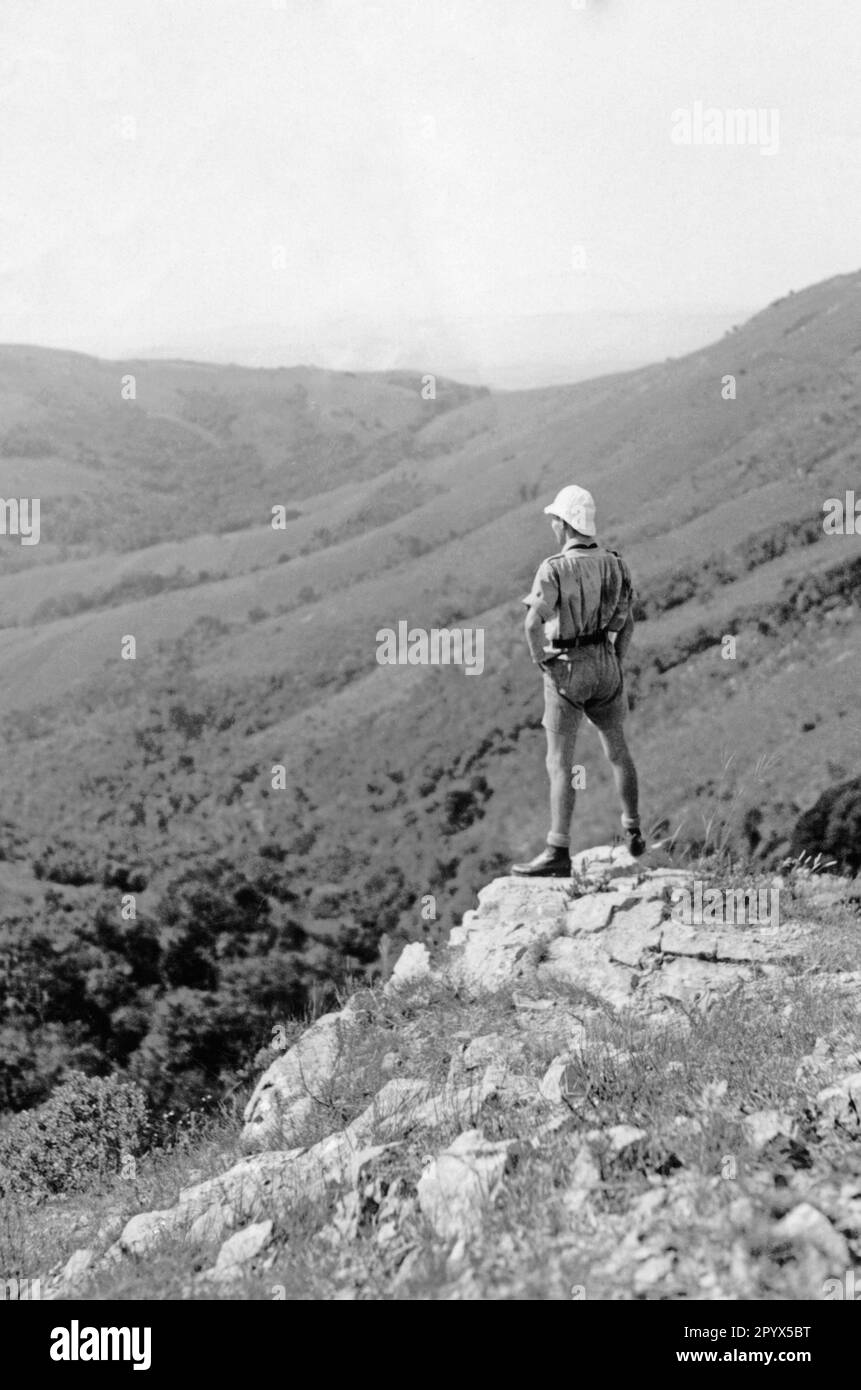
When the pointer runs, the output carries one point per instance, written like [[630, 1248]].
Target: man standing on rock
[[580, 605]]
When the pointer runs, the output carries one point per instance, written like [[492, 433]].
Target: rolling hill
[[256, 649]]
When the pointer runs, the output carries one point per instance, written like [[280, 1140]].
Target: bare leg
[[624, 772], [560, 756]]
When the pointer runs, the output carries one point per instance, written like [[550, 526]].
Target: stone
[[656, 1268], [561, 1030], [459, 1184], [624, 1139], [111, 1225], [244, 1245], [492, 1048], [403, 1106], [522, 1001], [832, 1058], [762, 1126], [559, 1121], [840, 1104], [684, 1127], [286, 1096], [500, 1081], [148, 1229], [77, 1269], [391, 1114], [672, 878], [602, 860], [412, 967], [551, 1087], [362, 1161], [585, 1178], [806, 1225], [211, 1224], [220, 1274]]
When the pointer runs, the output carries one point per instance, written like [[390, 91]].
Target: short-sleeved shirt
[[583, 589]]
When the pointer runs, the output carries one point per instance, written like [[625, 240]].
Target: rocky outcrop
[[612, 934], [292, 1091], [566, 954]]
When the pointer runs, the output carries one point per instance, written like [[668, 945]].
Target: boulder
[[457, 1187], [840, 1104], [625, 1140], [552, 1087], [806, 1226], [762, 1126], [603, 861], [211, 1224], [244, 1245], [77, 1272], [148, 1229], [585, 1178], [412, 967], [290, 1091]]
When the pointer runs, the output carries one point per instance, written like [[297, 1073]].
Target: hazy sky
[[178, 165]]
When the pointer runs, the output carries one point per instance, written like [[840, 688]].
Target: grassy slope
[[689, 1093]]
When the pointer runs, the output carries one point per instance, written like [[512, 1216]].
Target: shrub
[[66, 863], [82, 1133], [832, 827]]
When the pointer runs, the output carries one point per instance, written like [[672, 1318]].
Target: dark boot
[[552, 862], [634, 840]]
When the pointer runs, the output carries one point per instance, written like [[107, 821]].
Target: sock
[[630, 822], [558, 841]]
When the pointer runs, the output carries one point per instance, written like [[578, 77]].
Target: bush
[[832, 827], [82, 1133], [65, 863]]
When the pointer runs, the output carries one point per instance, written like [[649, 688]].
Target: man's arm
[[624, 635], [542, 603], [534, 629]]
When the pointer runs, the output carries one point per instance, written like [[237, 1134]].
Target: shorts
[[590, 683]]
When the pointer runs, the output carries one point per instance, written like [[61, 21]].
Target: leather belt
[[589, 639]]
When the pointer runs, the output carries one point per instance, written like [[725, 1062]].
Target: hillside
[[256, 647], [579, 1098]]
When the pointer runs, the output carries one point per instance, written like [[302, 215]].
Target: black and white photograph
[[430, 811]]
